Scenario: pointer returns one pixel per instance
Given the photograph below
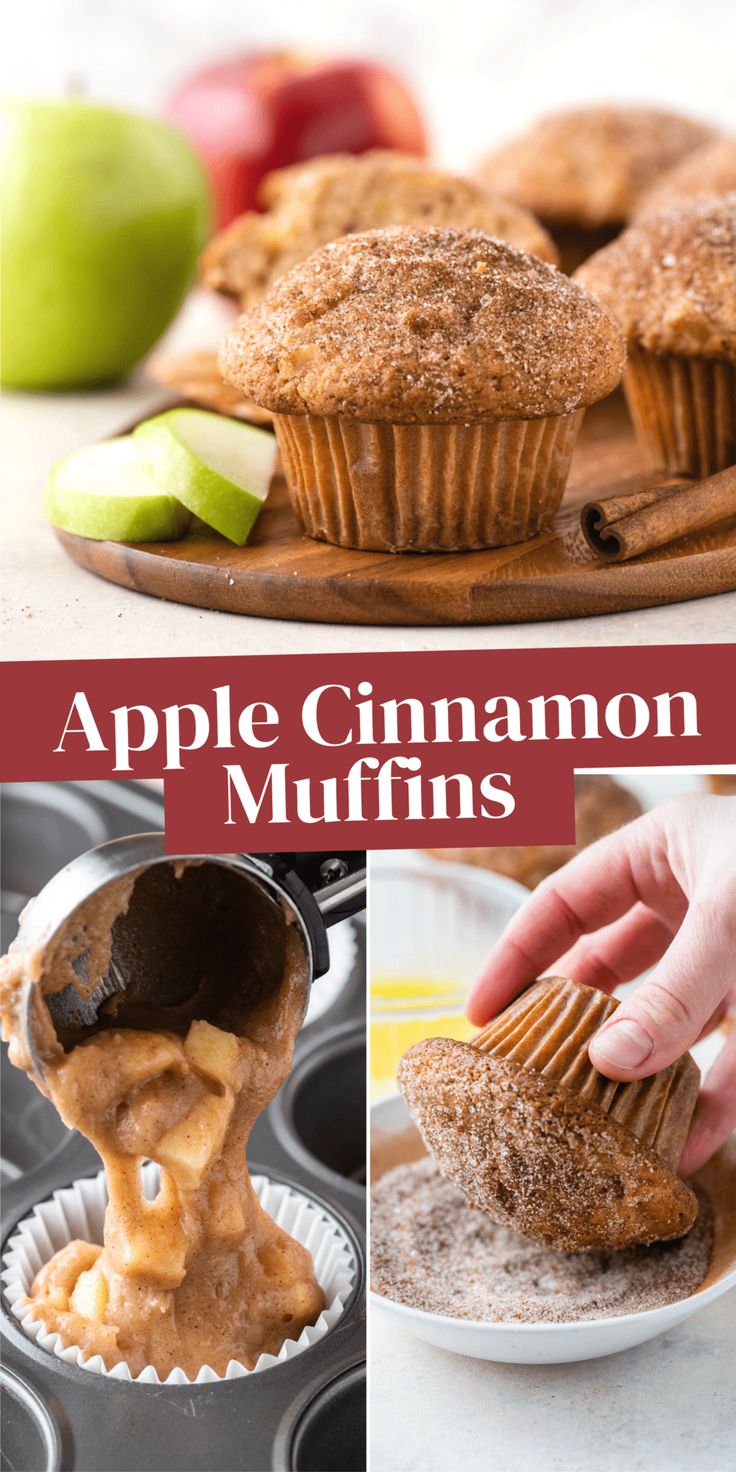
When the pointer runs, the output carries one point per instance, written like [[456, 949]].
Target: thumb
[[652, 1028]]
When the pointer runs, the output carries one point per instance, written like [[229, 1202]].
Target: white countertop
[[52, 609], [667, 1406]]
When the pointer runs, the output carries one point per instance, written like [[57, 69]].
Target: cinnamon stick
[[626, 526]]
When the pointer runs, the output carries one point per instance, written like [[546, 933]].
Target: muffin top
[[424, 326], [589, 166], [703, 174], [670, 279], [311, 203]]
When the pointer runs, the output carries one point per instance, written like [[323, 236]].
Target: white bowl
[[435, 919], [533, 1344]]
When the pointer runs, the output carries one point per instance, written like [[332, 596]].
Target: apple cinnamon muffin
[[722, 783], [583, 171], [309, 204], [706, 173], [427, 386], [670, 279], [601, 806], [541, 1141]]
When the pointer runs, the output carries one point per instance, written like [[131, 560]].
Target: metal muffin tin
[[306, 1413]]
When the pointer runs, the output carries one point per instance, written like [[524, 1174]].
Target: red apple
[[262, 110]]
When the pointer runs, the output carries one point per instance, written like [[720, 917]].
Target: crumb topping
[[670, 279], [424, 326], [309, 204], [589, 166]]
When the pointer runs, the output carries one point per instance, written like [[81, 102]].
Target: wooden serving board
[[283, 574]]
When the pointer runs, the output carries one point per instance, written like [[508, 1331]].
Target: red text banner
[[369, 750]]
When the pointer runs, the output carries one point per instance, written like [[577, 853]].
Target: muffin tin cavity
[[31, 1441], [32, 1130], [45, 824], [319, 1115], [330, 1436]]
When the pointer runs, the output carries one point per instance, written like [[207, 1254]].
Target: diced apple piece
[[149, 1253], [90, 1295], [57, 1278], [227, 1215], [274, 1260], [214, 1053], [306, 1301], [189, 1148]]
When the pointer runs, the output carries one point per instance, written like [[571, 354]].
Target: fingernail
[[623, 1044]]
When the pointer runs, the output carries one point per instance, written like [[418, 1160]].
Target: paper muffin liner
[[576, 243], [78, 1211], [548, 1029], [426, 487], [684, 410]]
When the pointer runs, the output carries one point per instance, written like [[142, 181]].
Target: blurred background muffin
[[722, 783], [427, 386], [706, 173], [601, 806], [583, 171], [309, 204], [670, 280]]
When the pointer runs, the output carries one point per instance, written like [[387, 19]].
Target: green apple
[[104, 215], [107, 492], [220, 469]]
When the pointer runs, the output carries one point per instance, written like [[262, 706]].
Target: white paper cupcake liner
[[78, 1211]]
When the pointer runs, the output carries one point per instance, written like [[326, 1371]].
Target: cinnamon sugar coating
[[427, 326], [433, 1252], [706, 173], [601, 806], [670, 279], [590, 165], [544, 1144], [312, 203]]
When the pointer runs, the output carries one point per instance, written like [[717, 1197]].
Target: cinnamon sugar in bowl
[[428, 386], [449, 1275]]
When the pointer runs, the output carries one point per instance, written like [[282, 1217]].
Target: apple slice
[[107, 492], [90, 1295], [220, 469]]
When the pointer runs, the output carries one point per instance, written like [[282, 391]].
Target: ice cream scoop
[[128, 935]]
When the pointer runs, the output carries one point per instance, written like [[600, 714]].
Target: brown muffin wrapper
[[426, 488], [684, 411], [576, 243], [548, 1029]]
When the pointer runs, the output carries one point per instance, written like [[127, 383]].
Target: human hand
[[661, 892]]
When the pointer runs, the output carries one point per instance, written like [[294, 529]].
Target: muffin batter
[[200, 1275]]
